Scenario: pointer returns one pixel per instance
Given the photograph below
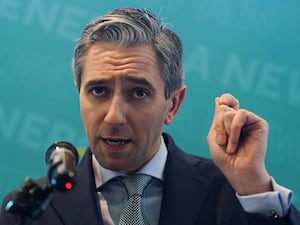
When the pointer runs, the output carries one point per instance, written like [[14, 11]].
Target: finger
[[228, 118], [241, 120], [218, 125], [230, 101], [222, 123], [233, 135]]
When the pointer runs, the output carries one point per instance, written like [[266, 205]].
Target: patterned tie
[[132, 212]]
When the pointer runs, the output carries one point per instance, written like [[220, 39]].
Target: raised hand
[[238, 142]]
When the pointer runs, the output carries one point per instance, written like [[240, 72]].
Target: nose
[[115, 114]]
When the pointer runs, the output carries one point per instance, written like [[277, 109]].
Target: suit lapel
[[182, 185], [80, 205]]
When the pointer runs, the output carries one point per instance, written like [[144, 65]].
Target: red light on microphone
[[68, 185]]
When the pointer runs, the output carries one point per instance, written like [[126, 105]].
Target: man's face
[[122, 105]]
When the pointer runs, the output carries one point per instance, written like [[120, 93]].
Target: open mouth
[[115, 142]]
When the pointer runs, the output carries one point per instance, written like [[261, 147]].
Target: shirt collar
[[154, 167]]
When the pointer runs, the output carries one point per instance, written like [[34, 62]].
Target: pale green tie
[[132, 213]]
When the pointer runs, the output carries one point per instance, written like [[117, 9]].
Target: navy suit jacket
[[194, 192]]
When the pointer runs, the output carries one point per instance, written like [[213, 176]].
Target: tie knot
[[135, 184]]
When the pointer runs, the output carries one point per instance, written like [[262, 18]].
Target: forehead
[[109, 59]]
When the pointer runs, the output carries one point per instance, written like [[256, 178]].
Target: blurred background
[[250, 48]]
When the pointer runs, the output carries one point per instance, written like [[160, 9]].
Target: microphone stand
[[30, 201]]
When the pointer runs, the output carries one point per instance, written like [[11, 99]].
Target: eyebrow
[[142, 81], [131, 79], [95, 82]]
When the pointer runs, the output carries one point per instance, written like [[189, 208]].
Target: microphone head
[[61, 158]]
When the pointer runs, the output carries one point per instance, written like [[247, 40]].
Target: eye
[[98, 91], [140, 93]]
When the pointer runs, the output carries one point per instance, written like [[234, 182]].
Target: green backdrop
[[250, 48]]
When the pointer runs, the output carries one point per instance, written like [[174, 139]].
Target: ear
[[175, 102]]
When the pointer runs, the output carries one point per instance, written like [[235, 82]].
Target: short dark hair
[[129, 27]]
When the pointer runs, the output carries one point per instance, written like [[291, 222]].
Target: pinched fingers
[[228, 122], [222, 122], [229, 101], [225, 106], [228, 127]]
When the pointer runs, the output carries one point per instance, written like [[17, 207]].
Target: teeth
[[116, 142]]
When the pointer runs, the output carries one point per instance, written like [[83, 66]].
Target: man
[[128, 70]]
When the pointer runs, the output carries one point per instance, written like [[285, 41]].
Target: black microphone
[[61, 158]]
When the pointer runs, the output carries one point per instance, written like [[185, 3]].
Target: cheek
[[89, 120], [154, 120], [87, 117]]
